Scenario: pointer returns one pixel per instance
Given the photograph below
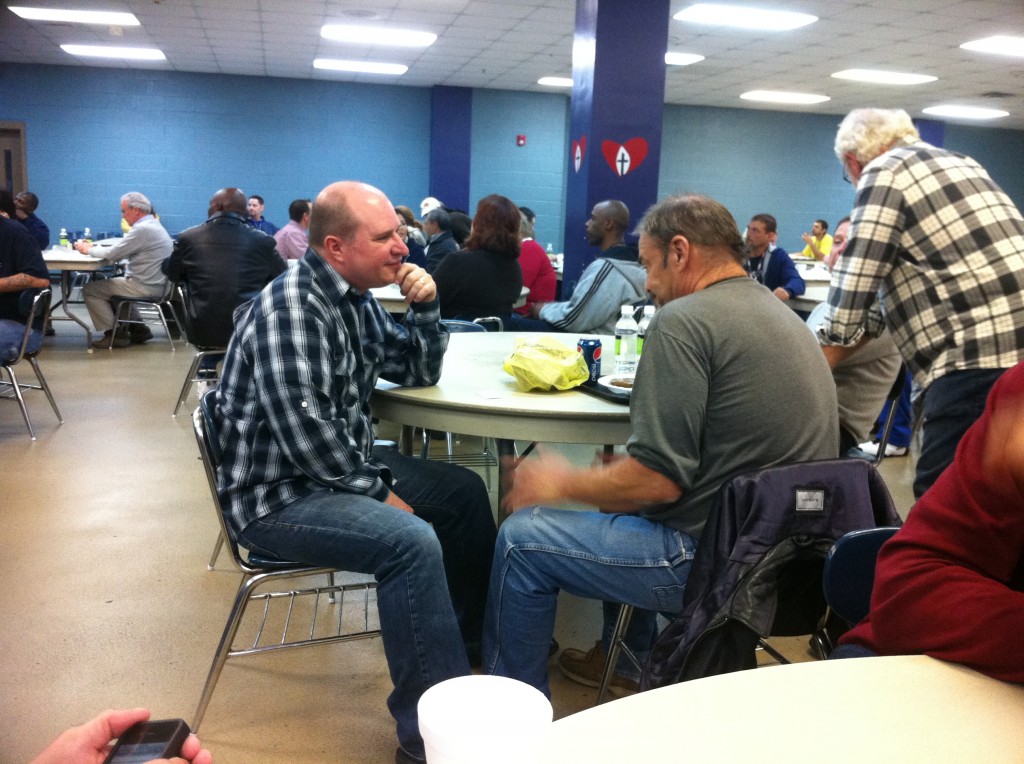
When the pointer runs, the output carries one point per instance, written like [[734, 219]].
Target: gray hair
[[869, 133], [700, 219], [137, 201]]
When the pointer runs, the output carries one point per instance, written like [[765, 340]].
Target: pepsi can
[[591, 349]]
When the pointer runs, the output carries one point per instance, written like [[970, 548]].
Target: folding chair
[[758, 567], [284, 609], [849, 574], [151, 311], [40, 307], [202, 353]]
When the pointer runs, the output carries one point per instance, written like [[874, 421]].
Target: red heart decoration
[[579, 149], [623, 158]]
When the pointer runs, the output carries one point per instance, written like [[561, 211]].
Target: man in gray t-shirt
[[730, 379]]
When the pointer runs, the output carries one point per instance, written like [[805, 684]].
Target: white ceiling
[[509, 44]]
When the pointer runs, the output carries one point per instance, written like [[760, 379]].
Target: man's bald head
[[614, 212], [334, 214], [228, 200]]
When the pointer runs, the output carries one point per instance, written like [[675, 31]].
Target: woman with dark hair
[[484, 279]]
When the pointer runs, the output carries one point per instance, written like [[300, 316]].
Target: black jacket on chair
[[758, 566], [222, 263]]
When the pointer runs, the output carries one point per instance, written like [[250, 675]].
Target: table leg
[[65, 288], [506, 471], [408, 432]]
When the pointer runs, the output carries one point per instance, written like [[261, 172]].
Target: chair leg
[[216, 551], [117, 321], [614, 648], [245, 588], [21, 401], [187, 384], [163, 323], [45, 387]]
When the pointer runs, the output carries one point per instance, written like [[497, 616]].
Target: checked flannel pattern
[[936, 252]]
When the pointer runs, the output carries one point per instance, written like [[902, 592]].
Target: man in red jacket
[[950, 583]]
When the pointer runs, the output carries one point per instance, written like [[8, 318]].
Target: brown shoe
[[121, 340], [587, 667]]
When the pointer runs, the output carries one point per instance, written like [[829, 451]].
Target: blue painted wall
[[783, 163], [533, 175], [95, 133]]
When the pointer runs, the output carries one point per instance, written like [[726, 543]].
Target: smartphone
[[145, 741]]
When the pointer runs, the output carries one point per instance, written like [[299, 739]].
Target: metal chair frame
[[192, 376], [40, 307], [258, 571], [146, 307], [485, 458]]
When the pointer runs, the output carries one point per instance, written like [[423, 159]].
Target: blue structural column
[[618, 97], [451, 135], [931, 131]]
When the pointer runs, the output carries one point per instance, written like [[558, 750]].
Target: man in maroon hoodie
[[950, 583]]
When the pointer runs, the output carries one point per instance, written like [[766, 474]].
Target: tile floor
[[107, 600]]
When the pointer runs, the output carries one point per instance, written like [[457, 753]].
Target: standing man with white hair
[[936, 254], [144, 247]]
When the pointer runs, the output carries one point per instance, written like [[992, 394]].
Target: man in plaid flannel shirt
[[936, 253]]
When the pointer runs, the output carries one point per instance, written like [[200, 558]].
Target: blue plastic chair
[[849, 574]]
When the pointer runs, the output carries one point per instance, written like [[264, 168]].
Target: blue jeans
[[11, 335], [431, 568], [622, 558], [903, 421], [952, 404]]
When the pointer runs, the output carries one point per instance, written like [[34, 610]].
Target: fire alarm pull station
[[520, 140]]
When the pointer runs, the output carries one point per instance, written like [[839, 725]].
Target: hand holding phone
[[145, 741]]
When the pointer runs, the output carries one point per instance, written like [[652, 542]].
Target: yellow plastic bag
[[546, 364]]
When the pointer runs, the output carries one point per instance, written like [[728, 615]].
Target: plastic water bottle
[[63, 240], [645, 323], [626, 333], [551, 249], [88, 234]]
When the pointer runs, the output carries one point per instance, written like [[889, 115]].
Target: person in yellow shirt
[[819, 243]]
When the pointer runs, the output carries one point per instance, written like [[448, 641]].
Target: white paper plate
[[609, 381]]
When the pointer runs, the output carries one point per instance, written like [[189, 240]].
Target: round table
[[475, 396], [891, 709]]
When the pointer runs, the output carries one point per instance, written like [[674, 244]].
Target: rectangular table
[[67, 262]]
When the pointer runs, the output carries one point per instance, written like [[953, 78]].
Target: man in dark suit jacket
[[223, 263], [438, 226], [770, 264]]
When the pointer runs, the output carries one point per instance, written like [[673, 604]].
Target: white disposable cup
[[481, 718]]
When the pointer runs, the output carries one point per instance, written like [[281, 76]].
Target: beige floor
[[107, 602]]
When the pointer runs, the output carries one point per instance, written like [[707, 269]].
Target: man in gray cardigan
[[144, 247]]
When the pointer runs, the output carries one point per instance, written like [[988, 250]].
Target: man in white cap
[[428, 204]]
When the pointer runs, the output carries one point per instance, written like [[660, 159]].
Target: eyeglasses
[[846, 174]]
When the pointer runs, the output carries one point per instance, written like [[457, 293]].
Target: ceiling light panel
[[682, 59], [744, 17], [555, 82], [399, 38], [779, 96], [361, 67], [108, 18], [965, 112], [882, 77], [1004, 46], [107, 51]]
